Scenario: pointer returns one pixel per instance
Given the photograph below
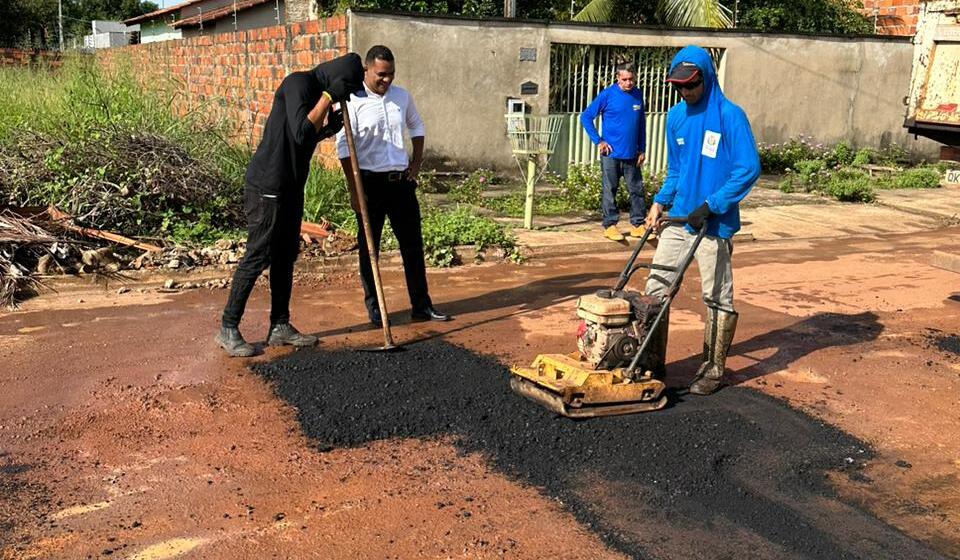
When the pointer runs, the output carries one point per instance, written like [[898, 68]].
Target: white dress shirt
[[378, 122]]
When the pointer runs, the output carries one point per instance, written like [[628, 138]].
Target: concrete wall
[[461, 71], [460, 74], [153, 31]]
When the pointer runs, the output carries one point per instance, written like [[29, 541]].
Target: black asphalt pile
[[737, 474]]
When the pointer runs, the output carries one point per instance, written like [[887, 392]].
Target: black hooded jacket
[[282, 160]]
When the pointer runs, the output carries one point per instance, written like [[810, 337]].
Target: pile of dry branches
[[22, 243], [133, 184]]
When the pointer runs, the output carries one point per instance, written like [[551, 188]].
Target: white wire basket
[[533, 134]]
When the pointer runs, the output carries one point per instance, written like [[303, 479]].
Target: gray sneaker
[[233, 343], [284, 333]]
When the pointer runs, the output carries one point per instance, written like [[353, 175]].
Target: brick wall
[[234, 75], [893, 17], [21, 57]]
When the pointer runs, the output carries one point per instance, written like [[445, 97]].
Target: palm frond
[[597, 11], [695, 13]]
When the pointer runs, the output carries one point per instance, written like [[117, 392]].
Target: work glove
[[333, 126], [697, 218], [340, 89]]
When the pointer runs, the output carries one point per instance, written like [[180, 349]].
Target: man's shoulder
[[675, 113], [296, 80], [399, 94], [732, 111]]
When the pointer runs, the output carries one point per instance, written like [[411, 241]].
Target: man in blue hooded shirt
[[622, 148], [712, 164]]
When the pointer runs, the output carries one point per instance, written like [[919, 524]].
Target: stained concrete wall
[[461, 71]]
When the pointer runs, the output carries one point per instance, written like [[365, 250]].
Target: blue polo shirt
[[624, 121]]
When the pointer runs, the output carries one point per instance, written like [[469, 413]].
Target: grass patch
[[514, 203]]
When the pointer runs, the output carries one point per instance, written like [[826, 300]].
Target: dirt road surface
[[125, 434]]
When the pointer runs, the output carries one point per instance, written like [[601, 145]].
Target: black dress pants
[[397, 200], [273, 240]]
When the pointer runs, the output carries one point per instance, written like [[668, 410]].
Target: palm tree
[[677, 13]]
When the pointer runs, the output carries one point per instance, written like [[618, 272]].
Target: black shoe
[[233, 343], [428, 314], [284, 333], [375, 318]]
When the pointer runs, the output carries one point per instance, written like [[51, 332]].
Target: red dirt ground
[[125, 433]]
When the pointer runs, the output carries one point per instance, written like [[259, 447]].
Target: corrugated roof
[[216, 14], [160, 12]]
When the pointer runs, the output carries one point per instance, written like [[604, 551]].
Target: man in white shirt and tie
[[379, 116]]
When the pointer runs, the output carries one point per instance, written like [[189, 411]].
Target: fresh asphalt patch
[[736, 474]]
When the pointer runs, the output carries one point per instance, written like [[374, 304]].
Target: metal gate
[[579, 72]]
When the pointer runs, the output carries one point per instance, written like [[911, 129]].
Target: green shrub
[[865, 156], [583, 188], [849, 185], [443, 230], [808, 170], [893, 155], [778, 158], [470, 189], [513, 204], [429, 182], [923, 177], [326, 197], [840, 155]]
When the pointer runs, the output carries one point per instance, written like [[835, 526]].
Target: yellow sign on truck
[[933, 106]]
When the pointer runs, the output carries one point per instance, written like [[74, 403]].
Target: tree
[[805, 16], [810, 16], [796, 16], [34, 24], [675, 13]]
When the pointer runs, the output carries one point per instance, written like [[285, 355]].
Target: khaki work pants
[[713, 258]]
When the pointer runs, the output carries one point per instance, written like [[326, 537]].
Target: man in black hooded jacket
[[273, 197]]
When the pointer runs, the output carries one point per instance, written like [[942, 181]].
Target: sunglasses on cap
[[688, 86]]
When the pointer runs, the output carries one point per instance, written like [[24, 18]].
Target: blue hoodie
[[720, 171]]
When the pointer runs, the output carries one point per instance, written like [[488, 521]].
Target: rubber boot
[[284, 333], [717, 337]]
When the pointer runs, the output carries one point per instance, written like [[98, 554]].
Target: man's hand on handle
[[653, 217], [333, 125], [642, 157], [698, 217], [340, 89], [605, 149]]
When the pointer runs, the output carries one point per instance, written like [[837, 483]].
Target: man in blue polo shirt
[[622, 148]]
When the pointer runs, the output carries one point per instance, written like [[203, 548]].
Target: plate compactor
[[621, 349]]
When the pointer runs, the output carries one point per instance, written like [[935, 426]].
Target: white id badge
[[711, 141]]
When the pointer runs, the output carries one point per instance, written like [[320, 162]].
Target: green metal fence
[[579, 72]]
